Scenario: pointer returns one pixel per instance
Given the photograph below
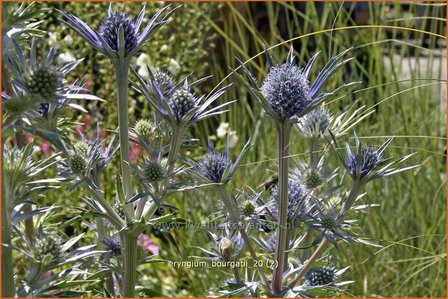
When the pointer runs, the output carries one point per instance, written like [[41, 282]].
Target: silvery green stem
[[175, 143], [121, 73], [309, 263], [236, 275], [102, 235], [236, 219], [129, 243], [7, 263], [350, 200], [283, 132], [114, 217], [320, 249], [314, 154], [149, 210], [29, 224]]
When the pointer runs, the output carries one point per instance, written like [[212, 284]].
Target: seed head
[[213, 166], [47, 249], [45, 82], [153, 171], [78, 163], [182, 101], [110, 27], [320, 276], [286, 89]]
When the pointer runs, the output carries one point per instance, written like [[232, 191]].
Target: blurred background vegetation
[[400, 57]]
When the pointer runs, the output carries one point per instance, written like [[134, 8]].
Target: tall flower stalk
[[286, 95], [283, 135], [119, 39]]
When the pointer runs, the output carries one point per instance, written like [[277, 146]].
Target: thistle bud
[[81, 148], [47, 249], [213, 166], [320, 276], [143, 128], [164, 80], [182, 101], [226, 248], [313, 179], [328, 222], [77, 163], [153, 171], [45, 82], [248, 208], [16, 105], [286, 89]]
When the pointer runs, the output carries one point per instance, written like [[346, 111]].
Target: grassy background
[[402, 70]]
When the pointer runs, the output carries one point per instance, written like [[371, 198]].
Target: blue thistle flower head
[[109, 31], [106, 39], [286, 89], [213, 165], [286, 93]]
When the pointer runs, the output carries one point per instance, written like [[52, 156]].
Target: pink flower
[[29, 138], [134, 152], [45, 147], [88, 120], [79, 129], [146, 243]]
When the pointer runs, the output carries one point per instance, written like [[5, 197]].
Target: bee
[[270, 182]]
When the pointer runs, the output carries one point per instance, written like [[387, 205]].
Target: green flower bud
[[143, 128], [248, 208], [47, 250], [81, 148], [320, 276], [153, 171], [44, 82], [313, 179], [17, 105], [78, 163]]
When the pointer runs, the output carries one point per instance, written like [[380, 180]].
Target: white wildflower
[[222, 129], [173, 67]]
